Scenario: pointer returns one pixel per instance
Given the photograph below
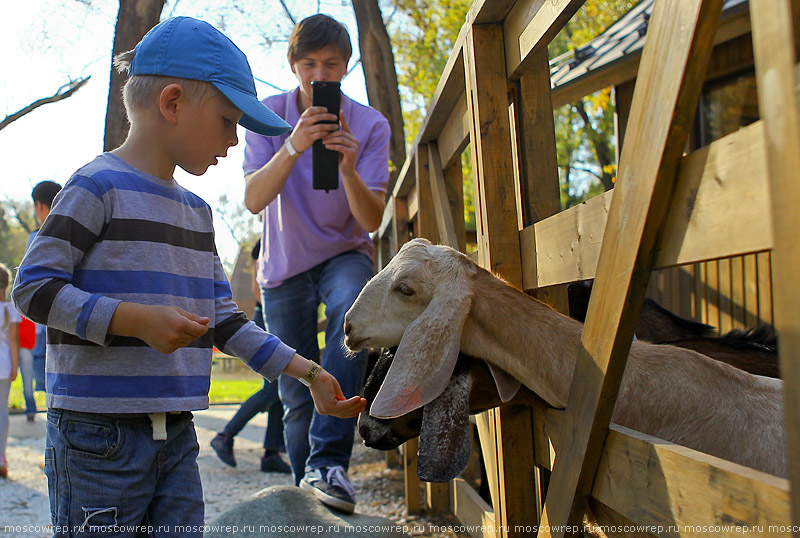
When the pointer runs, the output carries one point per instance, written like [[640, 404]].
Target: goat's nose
[[347, 327]]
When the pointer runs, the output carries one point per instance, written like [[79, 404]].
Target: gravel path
[[25, 512]]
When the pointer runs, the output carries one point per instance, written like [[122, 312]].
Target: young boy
[[125, 274]]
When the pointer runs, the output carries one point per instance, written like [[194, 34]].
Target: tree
[[66, 90], [383, 92], [585, 134], [134, 19]]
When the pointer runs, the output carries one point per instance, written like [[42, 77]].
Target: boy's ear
[[168, 100]]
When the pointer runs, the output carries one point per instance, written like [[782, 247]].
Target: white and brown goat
[[432, 302]]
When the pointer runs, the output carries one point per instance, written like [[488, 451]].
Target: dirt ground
[[24, 506]]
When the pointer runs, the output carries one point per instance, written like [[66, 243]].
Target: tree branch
[[63, 92], [289, 13]]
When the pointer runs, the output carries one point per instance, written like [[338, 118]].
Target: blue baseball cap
[[184, 47]]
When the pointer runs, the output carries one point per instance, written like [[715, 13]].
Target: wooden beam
[[774, 44], [454, 185], [454, 136], [687, 493], [657, 483], [441, 205], [718, 209], [487, 105], [673, 65], [426, 214], [410, 449], [471, 510], [531, 26]]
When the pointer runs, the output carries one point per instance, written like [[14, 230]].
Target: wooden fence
[[737, 197]]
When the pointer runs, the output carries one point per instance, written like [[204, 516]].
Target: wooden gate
[[738, 196]]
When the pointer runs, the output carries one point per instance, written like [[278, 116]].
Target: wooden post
[[672, 69], [499, 251], [410, 449], [774, 42]]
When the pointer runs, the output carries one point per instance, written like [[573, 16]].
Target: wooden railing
[[738, 196]]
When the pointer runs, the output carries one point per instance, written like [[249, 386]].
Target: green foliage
[[585, 134], [423, 34], [13, 237]]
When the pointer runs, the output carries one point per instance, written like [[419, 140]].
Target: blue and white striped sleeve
[[235, 335], [44, 290]]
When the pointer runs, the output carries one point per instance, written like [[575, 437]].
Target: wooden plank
[[764, 269], [657, 483], [413, 206], [717, 211], [400, 233], [712, 292], [567, 245], [623, 95], [687, 493], [405, 179], [489, 11], [539, 189], [725, 304], [471, 510], [667, 91], [490, 144], [454, 136], [440, 202], [454, 185], [737, 292], [448, 90], [486, 433], [410, 448], [437, 497], [426, 215], [774, 44], [750, 277], [529, 28]]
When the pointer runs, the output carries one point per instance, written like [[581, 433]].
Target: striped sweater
[[117, 234]]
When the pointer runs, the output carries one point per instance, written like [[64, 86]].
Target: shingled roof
[[619, 42]]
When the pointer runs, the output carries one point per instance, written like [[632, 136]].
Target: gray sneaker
[[332, 487]]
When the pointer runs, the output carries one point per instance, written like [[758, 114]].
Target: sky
[[51, 42]]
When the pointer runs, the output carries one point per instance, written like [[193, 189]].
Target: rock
[[281, 511]]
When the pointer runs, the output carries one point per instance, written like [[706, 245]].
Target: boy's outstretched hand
[[329, 400], [164, 328]]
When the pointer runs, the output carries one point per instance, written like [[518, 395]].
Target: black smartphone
[[326, 161]]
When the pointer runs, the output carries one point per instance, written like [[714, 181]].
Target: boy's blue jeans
[[290, 311], [107, 476]]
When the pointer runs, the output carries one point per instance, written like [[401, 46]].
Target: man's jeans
[[265, 400], [107, 476], [26, 369], [290, 311]]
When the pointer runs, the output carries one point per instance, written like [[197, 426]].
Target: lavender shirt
[[304, 227]]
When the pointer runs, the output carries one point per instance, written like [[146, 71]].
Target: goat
[[754, 350], [432, 302]]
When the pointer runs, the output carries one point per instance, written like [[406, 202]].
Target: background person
[[9, 360], [315, 246], [265, 400], [32, 364]]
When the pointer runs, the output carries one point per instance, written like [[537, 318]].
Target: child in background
[[9, 360]]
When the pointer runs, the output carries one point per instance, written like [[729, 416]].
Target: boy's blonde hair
[[140, 91]]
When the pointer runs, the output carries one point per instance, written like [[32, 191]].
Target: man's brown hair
[[317, 32]]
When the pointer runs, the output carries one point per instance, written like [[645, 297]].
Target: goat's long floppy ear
[[444, 441], [507, 385], [427, 354]]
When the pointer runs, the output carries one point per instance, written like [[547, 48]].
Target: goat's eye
[[405, 290]]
